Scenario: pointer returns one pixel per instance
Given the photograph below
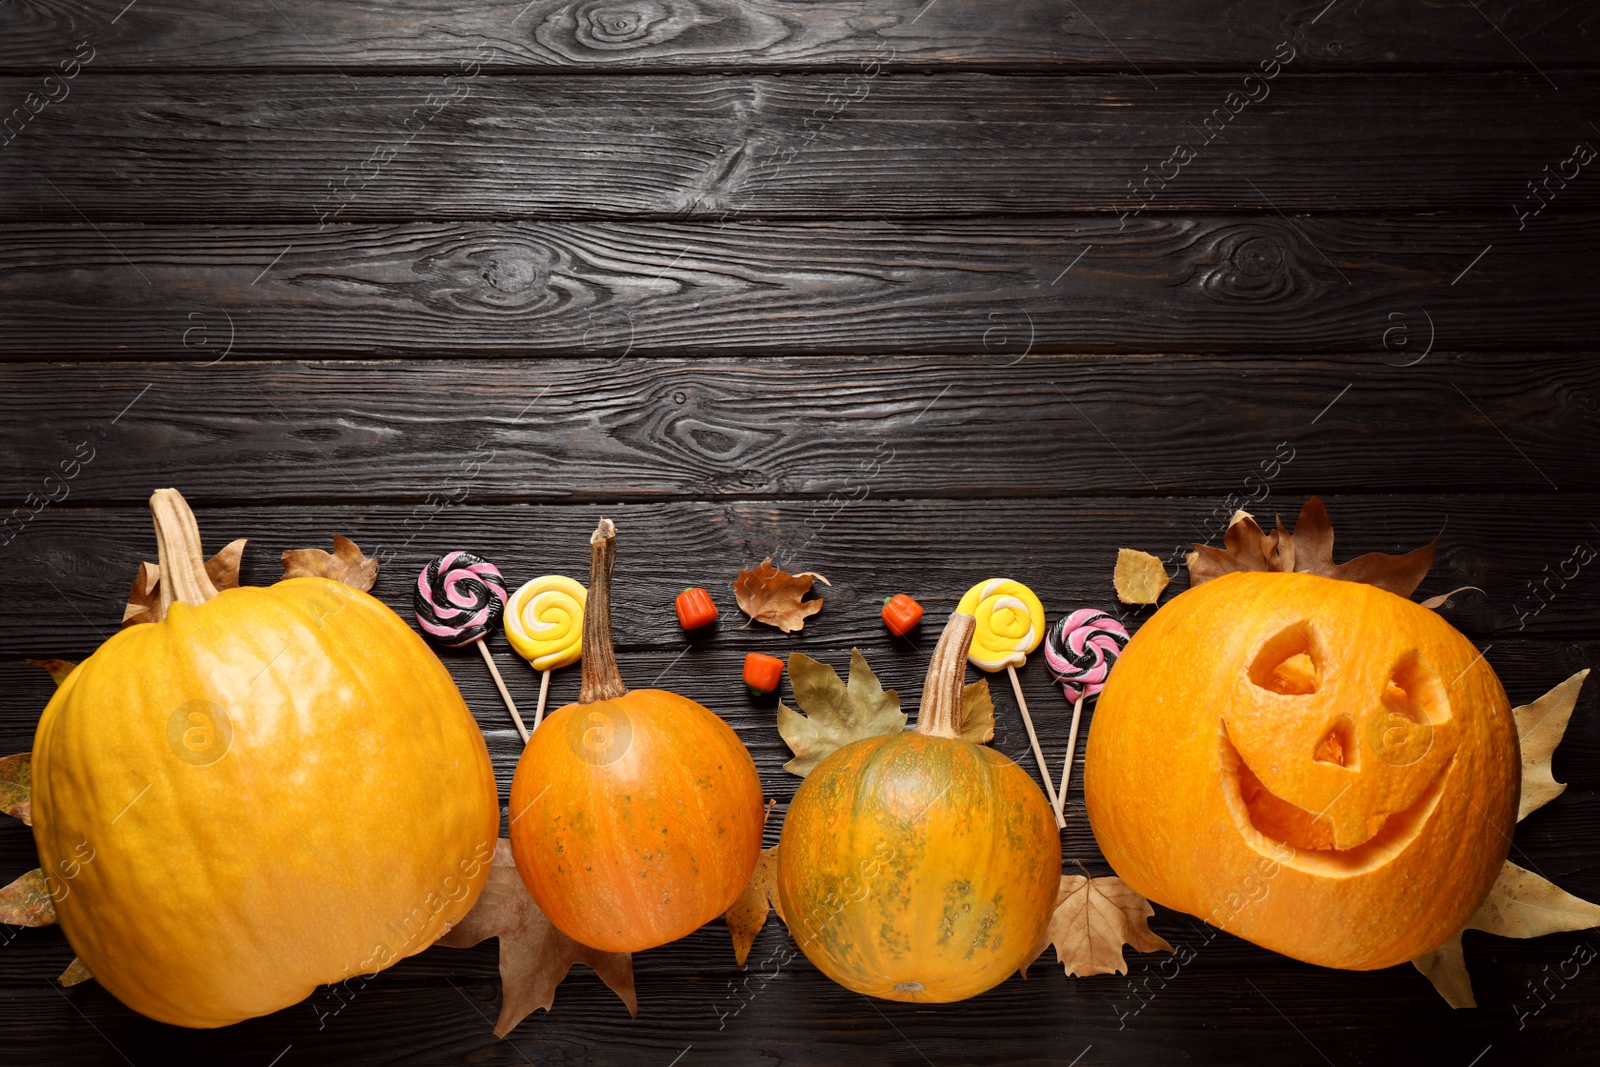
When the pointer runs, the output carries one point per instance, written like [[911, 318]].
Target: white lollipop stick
[[544, 693], [1066, 768], [1038, 753], [500, 684]]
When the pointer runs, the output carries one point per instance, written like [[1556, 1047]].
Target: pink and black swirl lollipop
[[1079, 652], [458, 599], [1081, 649]]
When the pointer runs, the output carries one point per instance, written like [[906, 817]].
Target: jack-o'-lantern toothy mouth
[[1269, 821]]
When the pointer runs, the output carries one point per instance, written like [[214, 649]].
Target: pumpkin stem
[[940, 714], [601, 679], [183, 564]]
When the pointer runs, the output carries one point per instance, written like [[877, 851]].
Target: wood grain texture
[[836, 430], [81, 561], [323, 148], [991, 288], [710, 34]]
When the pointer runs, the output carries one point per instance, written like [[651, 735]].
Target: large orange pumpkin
[[635, 815], [268, 790], [916, 865], [1316, 765]]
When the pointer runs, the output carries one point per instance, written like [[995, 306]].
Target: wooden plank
[[990, 288], [701, 34], [831, 429], [73, 566], [322, 148]]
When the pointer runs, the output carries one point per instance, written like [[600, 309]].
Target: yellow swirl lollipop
[[544, 623], [1011, 624]]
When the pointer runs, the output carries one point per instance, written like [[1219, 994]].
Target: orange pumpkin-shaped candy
[[268, 790], [635, 815], [1315, 765], [916, 865]]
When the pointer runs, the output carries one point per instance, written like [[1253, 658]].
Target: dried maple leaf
[[1139, 577], [1094, 918], [835, 713], [977, 713], [1446, 968], [345, 564], [16, 786], [1540, 727], [1520, 904], [534, 955], [767, 594], [749, 913], [26, 901], [1309, 550], [75, 974], [144, 599]]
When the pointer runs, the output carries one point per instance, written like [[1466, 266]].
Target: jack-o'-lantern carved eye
[[1289, 663]]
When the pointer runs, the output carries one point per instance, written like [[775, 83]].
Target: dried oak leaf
[[534, 955], [16, 786], [1139, 577], [75, 974], [1520, 904], [144, 598], [749, 913], [835, 713], [1309, 550], [1094, 918], [767, 594], [345, 564], [26, 901], [1540, 727]]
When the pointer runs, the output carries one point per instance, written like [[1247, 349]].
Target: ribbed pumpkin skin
[[350, 820], [1166, 780], [918, 868], [635, 821]]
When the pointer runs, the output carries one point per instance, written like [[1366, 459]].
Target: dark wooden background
[[860, 285]]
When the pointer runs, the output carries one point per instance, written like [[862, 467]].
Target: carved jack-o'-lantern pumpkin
[[1316, 765]]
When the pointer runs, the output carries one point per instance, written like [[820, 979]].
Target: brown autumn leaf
[[835, 714], [75, 974], [1139, 577], [1540, 727], [144, 599], [767, 594], [16, 786], [1309, 550], [1094, 918], [57, 668], [345, 564], [749, 913], [534, 955], [26, 901]]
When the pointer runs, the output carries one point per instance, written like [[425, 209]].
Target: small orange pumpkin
[[635, 815], [1319, 766], [916, 865], [268, 790]]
